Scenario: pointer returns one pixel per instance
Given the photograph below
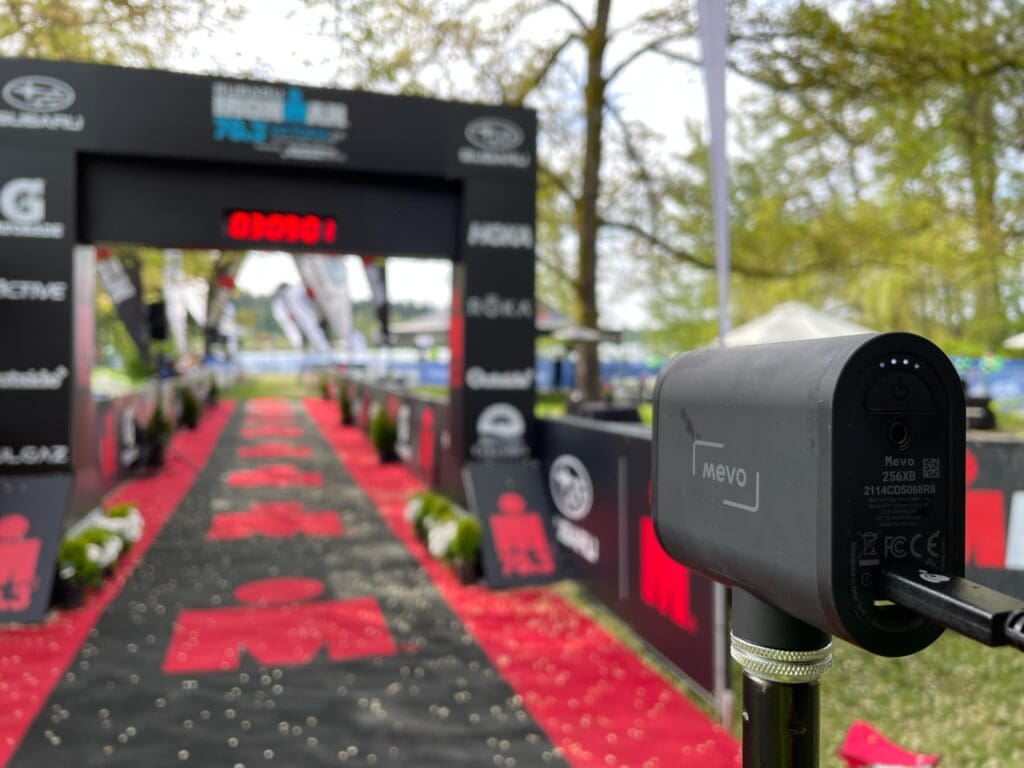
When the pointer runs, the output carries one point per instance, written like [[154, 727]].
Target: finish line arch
[[96, 154]]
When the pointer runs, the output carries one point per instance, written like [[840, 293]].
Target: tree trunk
[[585, 288]]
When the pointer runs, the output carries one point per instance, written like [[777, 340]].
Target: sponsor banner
[[376, 274], [325, 277], [31, 520], [36, 102], [494, 306], [598, 479], [173, 286], [303, 315], [278, 119], [495, 142], [500, 234], [994, 530], [23, 209], [517, 544], [124, 286]]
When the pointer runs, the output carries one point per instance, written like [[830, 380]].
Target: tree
[[894, 128], [564, 61], [132, 32]]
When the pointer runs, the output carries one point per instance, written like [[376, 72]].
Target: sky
[[664, 96]]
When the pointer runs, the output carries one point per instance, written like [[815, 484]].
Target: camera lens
[[899, 435]]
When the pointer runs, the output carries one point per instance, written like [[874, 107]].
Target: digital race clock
[[280, 228]]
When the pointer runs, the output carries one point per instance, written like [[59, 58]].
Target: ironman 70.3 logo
[[23, 210]]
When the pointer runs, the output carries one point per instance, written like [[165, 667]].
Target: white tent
[[791, 321]]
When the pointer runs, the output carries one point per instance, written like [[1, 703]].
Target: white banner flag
[[326, 278], [284, 319], [713, 35], [304, 315], [174, 298]]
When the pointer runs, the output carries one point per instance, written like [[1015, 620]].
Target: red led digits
[[280, 228]]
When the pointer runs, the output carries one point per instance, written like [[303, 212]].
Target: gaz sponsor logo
[[280, 120], [494, 141], [491, 306], [500, 234], [500, 433], [34, 456], [39, 103], [33, 290], [34, 379], [23, 210], [478, 378]]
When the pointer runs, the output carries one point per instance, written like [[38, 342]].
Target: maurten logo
[[41, 102], [478, 378], [23, 210], [736, 481]]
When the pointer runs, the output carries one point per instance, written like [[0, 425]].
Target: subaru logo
[[494, 134], [37, 93]]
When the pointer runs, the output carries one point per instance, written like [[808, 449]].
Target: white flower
[[105, 554], [440, 538], [412, 508]]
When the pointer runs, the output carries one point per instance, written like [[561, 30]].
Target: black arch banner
[[92, 154]]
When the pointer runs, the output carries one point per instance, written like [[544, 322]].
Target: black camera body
[[800, 471]]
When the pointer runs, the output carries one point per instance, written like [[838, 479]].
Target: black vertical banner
[[123, 285], [36, 299]]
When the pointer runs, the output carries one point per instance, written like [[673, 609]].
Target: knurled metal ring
[[781, 666]]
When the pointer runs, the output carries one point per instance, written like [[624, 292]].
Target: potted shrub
[[103, 547], [463, 553], [345, 406], [189, 407], [325, 386], [126, 521], [158, 432], [76, 573], [213, 393], [383, 434]]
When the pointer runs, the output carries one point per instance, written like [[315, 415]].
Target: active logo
[[23, 210], [494, 141], [34, 379], [33, 290], [494, 307], [500, 234], [34, 455], [478, 378], [39, 103]]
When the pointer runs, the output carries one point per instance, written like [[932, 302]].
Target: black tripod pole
[[782, 659]]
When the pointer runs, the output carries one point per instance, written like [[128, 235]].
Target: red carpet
[[32, 659], [592, 696]]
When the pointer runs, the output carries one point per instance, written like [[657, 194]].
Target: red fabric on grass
[[33, 658], [274, 476], [274, 450], [595, 699]]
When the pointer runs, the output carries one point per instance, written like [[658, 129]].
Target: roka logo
[[23, 210], [500, 234], [494, 307]]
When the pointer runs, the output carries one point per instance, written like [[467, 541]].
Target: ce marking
[[932, 545]]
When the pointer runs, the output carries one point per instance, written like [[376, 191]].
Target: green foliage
[[465, 546], [345, 404], [213, 394], [190, 407], [119, 510], [74, 564], [383, 433], [159, 427], [433, 508]]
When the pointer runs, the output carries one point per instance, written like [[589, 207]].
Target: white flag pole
[[713, 44]]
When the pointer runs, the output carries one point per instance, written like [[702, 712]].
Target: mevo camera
[[801, 471]]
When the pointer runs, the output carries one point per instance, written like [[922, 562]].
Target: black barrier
[[994, 530], [94, 154], [598, 475]]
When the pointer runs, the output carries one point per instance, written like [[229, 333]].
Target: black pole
[[782, 660]]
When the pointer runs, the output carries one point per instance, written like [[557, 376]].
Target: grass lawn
[[271, 385]]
